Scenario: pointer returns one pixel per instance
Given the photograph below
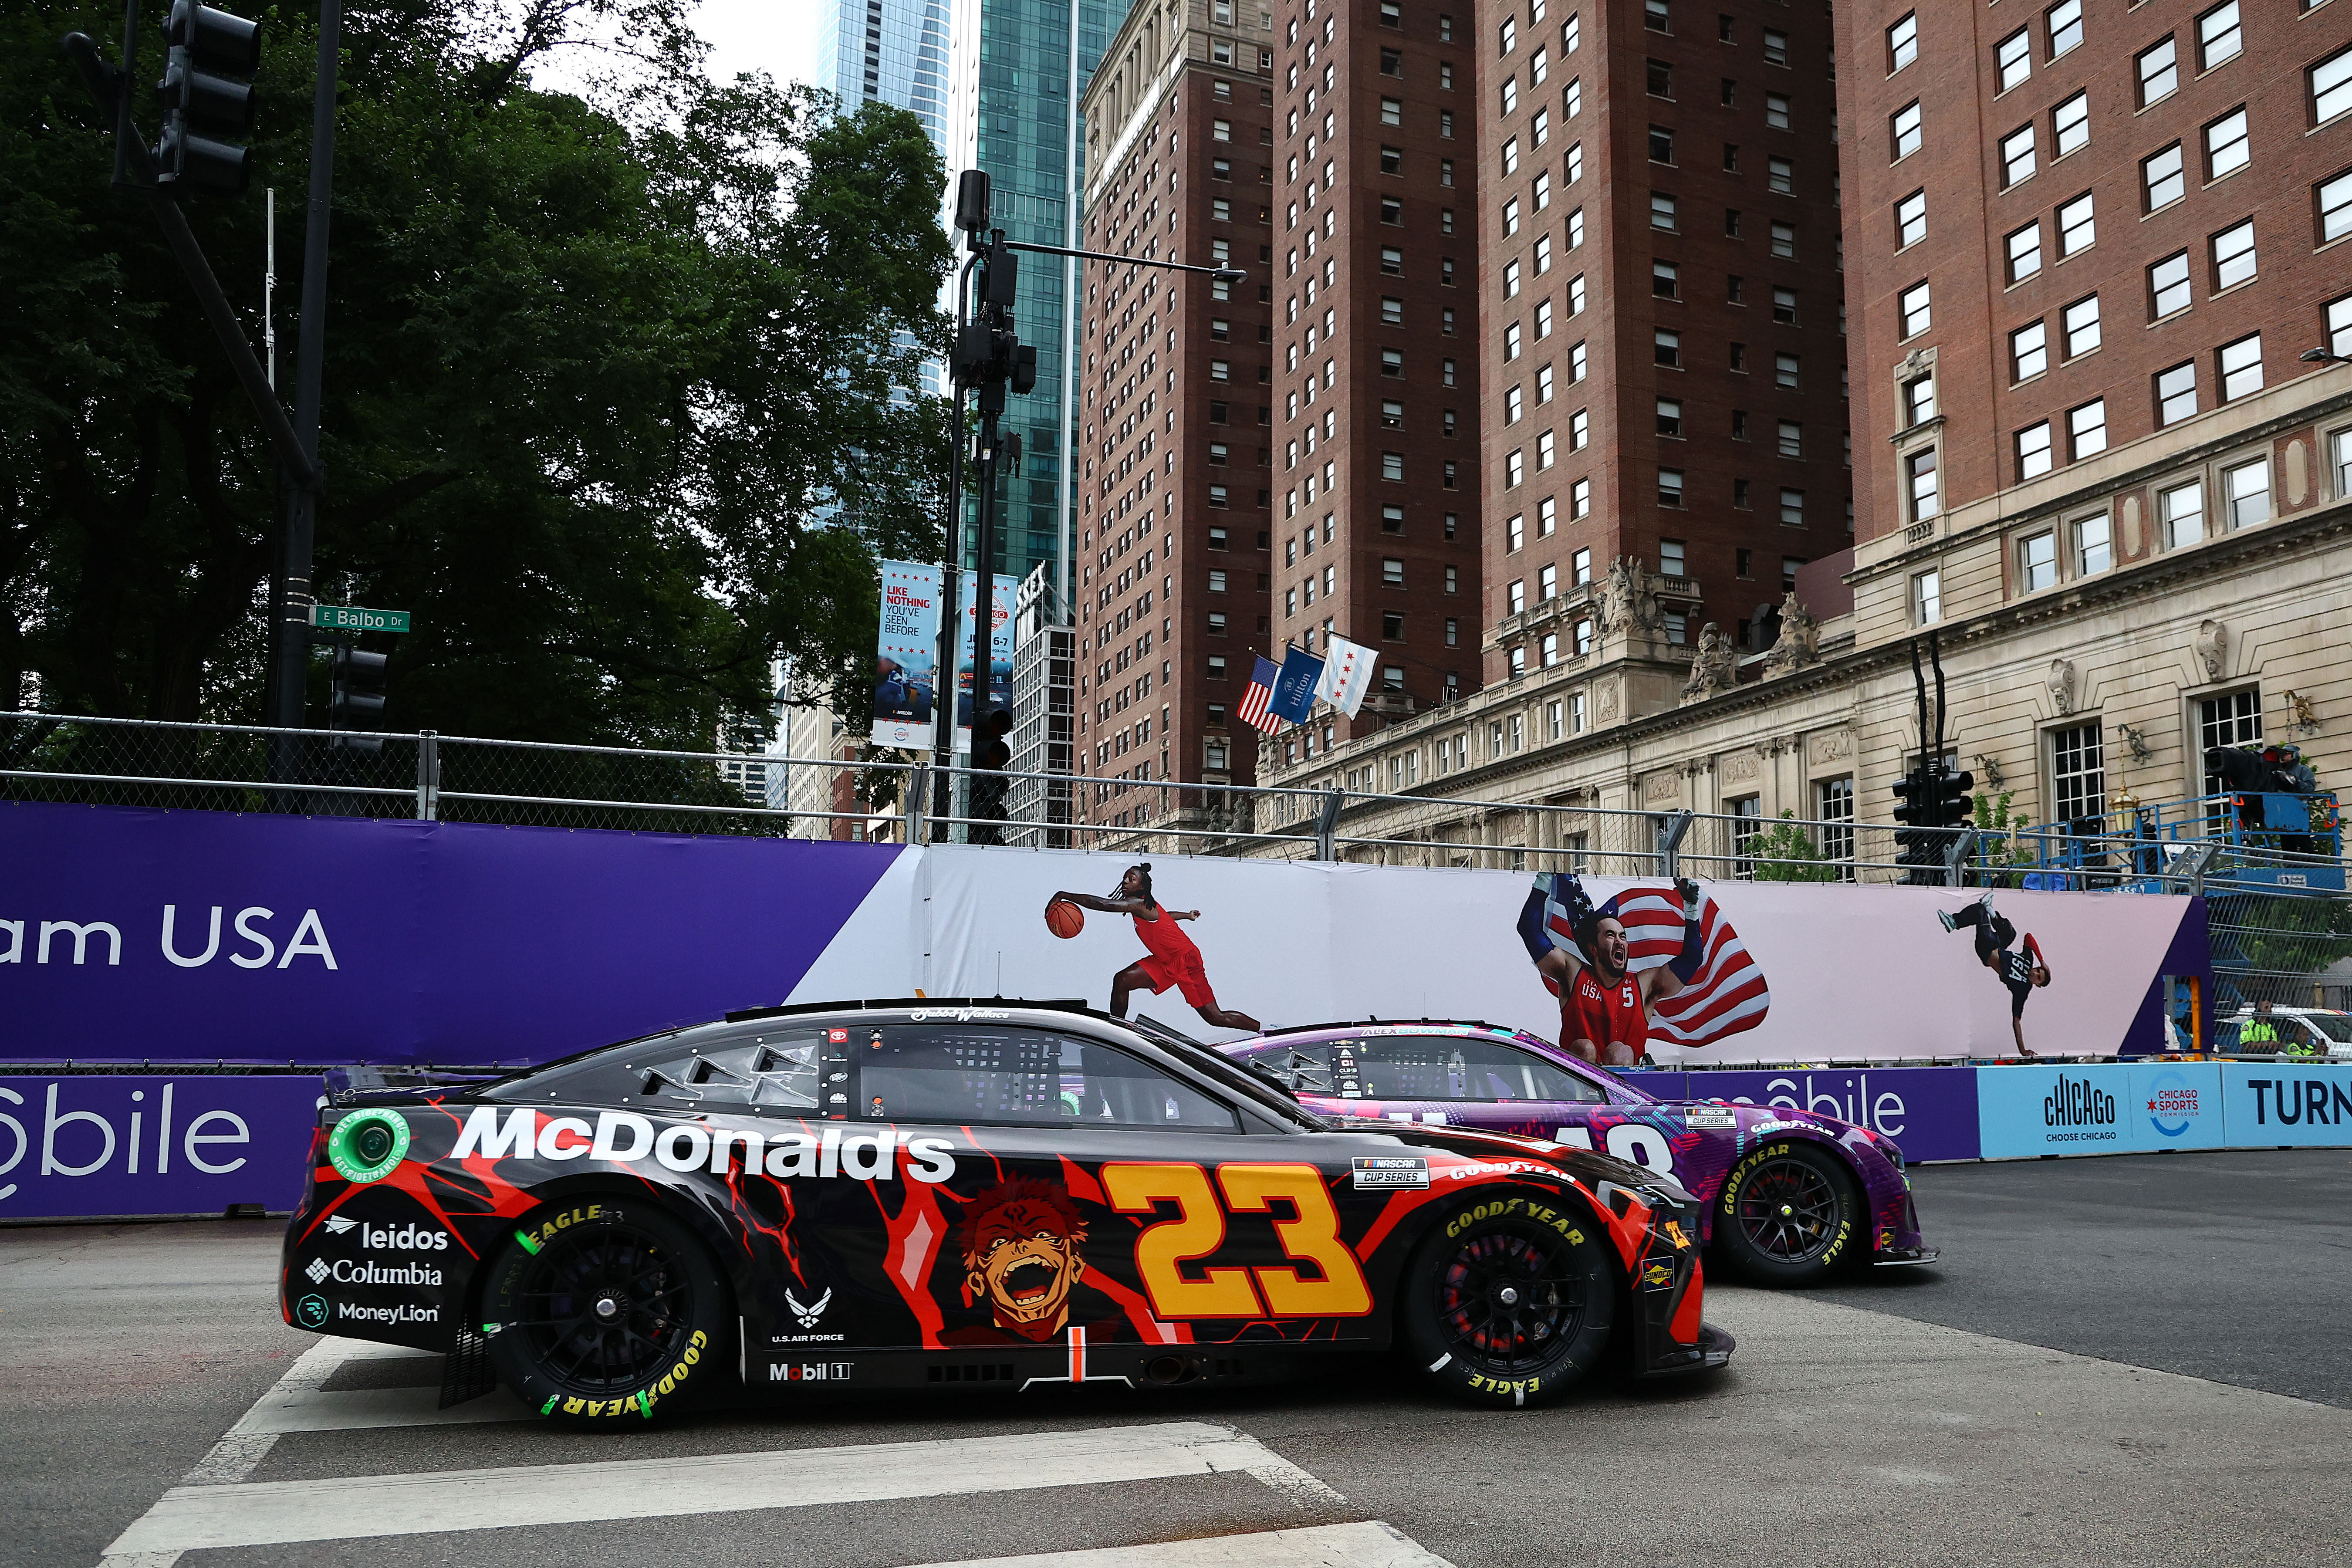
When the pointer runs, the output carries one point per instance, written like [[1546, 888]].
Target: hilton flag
[[1260, 693], [1294, 688], [1346, 674]]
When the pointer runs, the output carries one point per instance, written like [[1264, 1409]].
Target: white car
[[2314, 1031]]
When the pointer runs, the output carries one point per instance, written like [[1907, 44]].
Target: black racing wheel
[[1788, 1213], [606, 1311], [1510, 1299]]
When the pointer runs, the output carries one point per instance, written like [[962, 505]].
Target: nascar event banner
[[1719, 972], [168, 937], [907, 655]]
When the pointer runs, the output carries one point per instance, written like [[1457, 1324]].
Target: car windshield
[[1274, 1097], [2337, 1027]]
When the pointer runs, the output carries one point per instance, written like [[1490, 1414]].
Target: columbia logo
[[319, 1270]]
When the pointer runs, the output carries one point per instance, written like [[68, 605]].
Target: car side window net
[[1456, 1066], [966, 1074]]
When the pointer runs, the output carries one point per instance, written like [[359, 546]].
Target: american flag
[[1260, 693], [1725, 994]]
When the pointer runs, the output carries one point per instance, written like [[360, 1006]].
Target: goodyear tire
[[1789, 1214], [1510, 1299], [602, 1312]]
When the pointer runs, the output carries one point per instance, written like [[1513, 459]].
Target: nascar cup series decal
[[368, 1145]]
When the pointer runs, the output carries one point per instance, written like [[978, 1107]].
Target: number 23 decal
[[1310, 1233]]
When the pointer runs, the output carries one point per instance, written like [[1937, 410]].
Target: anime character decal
[[1021, 1242]]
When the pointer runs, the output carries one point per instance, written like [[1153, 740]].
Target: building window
[[1920, 477], [2160, 71], [2241, 367], [2180, 512], [1670, 416], [1919, 400], [2331, 87], [1665, 281], [2069, 124], [1792, 507], [1393, 626], [2168, 286], [1927, 599], [1546, 517], [2176, 393], [2232, 719], [1665, 349], [1669, 487], [1904, 131], [2014, 54], [1514, 465], [1914, 306], [2218, 36], [2225, 145], [2079, 324], [2065, 23], [1784, 239], [1392, 112], [1580, 499], [1662, 211], [2029, 352], [2161, 179], [1784, 371], [1780, 175], [1911, 219], [1784, 306], [1671, 558], [1776, 110], [2246, 493], [2078, 779], [2024, 247], [2077, 225], [1902, 42], [1792, 438], [2037, 561], [2233, 256], [1580, 428], [2017, 155], [2093, 548], [2033, 451]]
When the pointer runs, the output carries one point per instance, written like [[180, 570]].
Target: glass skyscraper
[[1019, 68], [893, 51]]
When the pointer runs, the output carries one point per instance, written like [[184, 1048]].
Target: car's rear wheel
[[606, 1311], [1509, 1301], [1788, 1214]]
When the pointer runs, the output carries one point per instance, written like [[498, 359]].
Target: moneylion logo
[[808, 1315], [310, 1312]]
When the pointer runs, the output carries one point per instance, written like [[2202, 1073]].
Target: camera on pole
[[205, 106]]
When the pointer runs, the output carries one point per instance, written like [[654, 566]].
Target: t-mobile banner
[[1736, 972], [74, 1148], [2275, 1104], [131, 936], [1931, 1112]]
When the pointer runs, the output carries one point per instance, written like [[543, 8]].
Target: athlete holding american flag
[[1648, 962]]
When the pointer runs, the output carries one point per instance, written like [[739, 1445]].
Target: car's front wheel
[[1788, 1214], [1509, 1301], [604, 1311]]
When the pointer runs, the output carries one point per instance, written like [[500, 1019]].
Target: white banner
[[1752, 971]]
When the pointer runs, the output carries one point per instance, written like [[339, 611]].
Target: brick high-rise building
[[1377, 348], [1664, 316], [1175, 433]]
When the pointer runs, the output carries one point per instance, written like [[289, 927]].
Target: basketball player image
[[1586, 958], [1171, 958], [2020, 972]]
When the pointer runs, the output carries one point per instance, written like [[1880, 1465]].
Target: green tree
[[615, 391], [1999, 849], [1787, 852]]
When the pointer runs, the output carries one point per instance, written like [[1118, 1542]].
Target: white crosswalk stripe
[[1370, 1544], [273, 1512], [217, 1507]]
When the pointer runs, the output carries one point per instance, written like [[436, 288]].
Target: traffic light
[[204, 104], [1949, 796], [357, 698], [1919, 844]]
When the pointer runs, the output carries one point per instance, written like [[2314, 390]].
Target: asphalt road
[[2100, 1372]]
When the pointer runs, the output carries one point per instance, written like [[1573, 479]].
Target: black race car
[[923, 1193]]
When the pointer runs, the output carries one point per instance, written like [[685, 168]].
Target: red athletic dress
[[1173, 959], [1604, 1015]]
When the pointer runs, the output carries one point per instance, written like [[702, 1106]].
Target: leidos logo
[[624, 1138]]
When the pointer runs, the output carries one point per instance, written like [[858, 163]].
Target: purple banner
[[1930, 1111], [94, 1147], [134, 936]]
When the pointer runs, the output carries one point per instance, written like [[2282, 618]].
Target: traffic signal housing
[[1931, 804], [205, 106], [356, 698]]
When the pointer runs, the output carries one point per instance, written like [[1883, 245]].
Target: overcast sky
[[778, 36]]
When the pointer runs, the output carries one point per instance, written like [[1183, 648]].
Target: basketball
[[1065, 919]]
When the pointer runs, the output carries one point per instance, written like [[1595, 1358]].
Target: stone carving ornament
[[2062, 686], [2213, 645], [1716, 669], [1799, 642], [1624, 604]]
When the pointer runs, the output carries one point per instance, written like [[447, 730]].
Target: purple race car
[[1787, 1195]]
